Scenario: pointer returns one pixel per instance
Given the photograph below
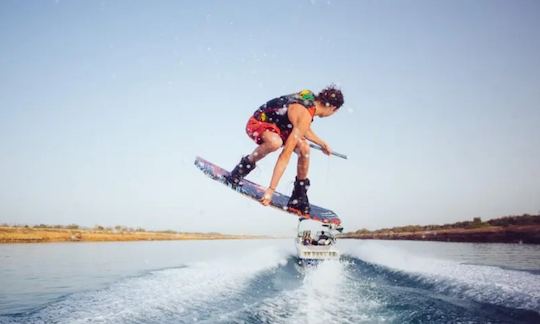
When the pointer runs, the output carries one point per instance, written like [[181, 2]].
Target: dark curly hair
[[331, 95]]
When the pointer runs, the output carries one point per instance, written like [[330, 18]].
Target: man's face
[[329, 110]]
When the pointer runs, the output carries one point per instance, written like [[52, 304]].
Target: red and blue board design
[[255, 191]]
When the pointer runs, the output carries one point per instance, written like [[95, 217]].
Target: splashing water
[[254, 283]]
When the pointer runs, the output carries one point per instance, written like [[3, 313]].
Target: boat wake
[[371, 283], [485, 284], [186, 294]]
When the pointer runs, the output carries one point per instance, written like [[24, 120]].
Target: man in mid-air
[[286, 122]]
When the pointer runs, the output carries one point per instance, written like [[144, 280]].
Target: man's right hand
[[267, 197]]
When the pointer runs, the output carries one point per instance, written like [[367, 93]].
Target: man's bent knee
[[272, 140], [302, 149]]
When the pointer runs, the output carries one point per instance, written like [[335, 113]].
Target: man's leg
[[302, 150], [271, 142], [299, 200]]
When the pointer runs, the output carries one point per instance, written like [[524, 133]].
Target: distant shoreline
[[522, 234], [26, 234], [507, 229]]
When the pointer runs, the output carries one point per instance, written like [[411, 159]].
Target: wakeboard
[[255, 191]]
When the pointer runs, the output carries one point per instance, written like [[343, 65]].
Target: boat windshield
[[314, 233]]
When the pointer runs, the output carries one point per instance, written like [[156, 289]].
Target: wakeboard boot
[[299, 201], [242, 169]]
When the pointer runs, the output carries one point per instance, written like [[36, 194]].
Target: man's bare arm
[[311, 136]]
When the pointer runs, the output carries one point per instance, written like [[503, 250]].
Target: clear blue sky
[[105, 104]]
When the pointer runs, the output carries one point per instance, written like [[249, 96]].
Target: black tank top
[[275, 110]]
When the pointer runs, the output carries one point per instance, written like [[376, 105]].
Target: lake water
[[258, 281]]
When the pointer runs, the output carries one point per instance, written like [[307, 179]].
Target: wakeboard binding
[[240, 171], [299, 201]]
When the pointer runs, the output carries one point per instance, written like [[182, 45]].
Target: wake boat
[[316, 242]]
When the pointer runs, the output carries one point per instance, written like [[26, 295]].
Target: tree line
[[477, 222]]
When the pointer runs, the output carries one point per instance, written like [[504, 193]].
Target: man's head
[[330, 99]]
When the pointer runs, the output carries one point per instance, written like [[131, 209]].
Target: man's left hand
[[326, 148]]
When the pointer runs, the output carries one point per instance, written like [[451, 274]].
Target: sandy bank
[[39, 235]]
